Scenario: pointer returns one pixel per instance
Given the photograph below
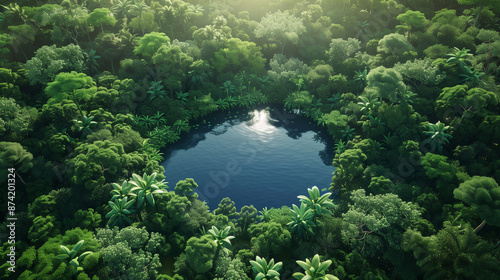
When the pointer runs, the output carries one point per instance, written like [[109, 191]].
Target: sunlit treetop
[[280, 27]]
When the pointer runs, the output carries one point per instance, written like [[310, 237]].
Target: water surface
[[263, 157]]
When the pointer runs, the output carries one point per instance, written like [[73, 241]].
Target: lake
[[263, 157]]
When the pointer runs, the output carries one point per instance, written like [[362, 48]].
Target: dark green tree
[[483, 194]]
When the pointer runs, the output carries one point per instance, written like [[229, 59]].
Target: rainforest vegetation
[[91, 90]]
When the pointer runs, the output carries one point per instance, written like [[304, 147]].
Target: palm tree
[[145, 186], [228, 88], [181, 125], [459, 57], [222, 104], [156, 90], [314, 270], [222, 239], [182, 96], [71, 257], [91, 60], [316, 202], [334, 99], [122, 8], [138, 7], [84, 125], [369, 103], [360, 78], [118, 216], [121, 191], [348, 133], [437, 134], [340, 147], [264, 270], [470, 75], [264, 215], [302, 220]]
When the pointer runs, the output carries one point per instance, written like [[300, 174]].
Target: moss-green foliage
[[130, 251], [16, 122], [13, 155], [186, 188], [452, 253], [44, 265], [200, 253], [103, 158], [483, 194], [375, 223], [269, 239], [51, 60]]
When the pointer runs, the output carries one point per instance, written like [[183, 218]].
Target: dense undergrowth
[[91, 90]]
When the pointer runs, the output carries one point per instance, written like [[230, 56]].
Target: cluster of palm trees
[[132, 196], [314, 269]]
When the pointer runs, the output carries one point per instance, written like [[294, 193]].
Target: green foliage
[[459, 57], [13, 155], [144, 23], [186, 188], [453, 253], [394, 44], [42, 229], [130, 252], [221, 238], [483, 194], [120, 209], [156, 90], [92, 160], [101, 16], [51, 60], [437, 167], [248, 216], [145, 187], [238, 55], [264, 270], [341, 49], [386, 83], [283, 69], [369, 104], [150, 43], [16, 122], [412, 20], [200, 253], [227, 208], [319, 204], [270, 239], [280, 27], [44, 265], [437, 135], [420, 72], [302, 221], [314, 270], [298, 100], [72, 257], [375, 223]]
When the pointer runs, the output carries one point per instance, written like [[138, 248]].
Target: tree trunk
[[480, 226]]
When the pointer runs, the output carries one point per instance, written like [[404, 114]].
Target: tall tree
[[483, 194], [101, 16]]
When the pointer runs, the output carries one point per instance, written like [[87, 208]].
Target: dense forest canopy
[[91, 90]]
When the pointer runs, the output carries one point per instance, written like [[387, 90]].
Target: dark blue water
[[263, 157]]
